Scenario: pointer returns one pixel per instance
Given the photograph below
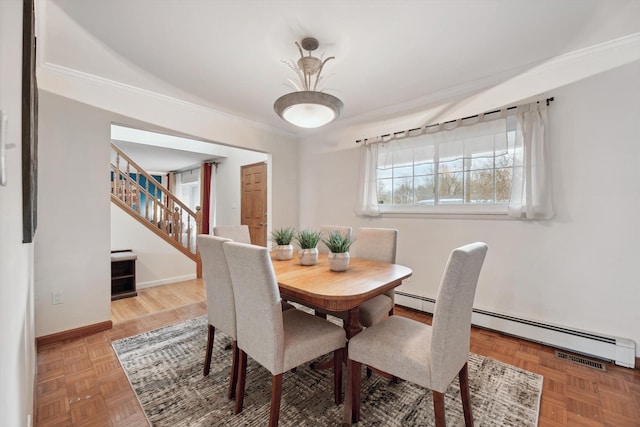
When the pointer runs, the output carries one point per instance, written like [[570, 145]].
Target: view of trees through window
[[420, 176]]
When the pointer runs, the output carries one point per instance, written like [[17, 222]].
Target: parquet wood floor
[[80, 382]]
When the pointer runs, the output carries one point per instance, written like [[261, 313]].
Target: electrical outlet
[[57, 296]]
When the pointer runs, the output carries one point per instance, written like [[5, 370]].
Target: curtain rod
[[358, 141]]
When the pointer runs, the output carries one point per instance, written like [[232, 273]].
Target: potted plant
[[338, 245], [283, 238], [308, 241]]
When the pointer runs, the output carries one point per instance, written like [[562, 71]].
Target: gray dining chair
[[376, 244], [428, 355], [325, 230], [278, 340], [221, 313], [237, 233]]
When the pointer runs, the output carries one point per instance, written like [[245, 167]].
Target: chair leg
[[233, 377], [242, 378], [355, 390], [337, 376], [438, 408], [465, 393], [276, 397], [207, 357]]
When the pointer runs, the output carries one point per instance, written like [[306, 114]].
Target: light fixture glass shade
[[308, 109]]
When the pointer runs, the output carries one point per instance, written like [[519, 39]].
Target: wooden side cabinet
[[123, 274]]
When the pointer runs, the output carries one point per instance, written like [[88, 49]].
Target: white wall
[[17, 351], [72, 252], [578, 269], [158, 262]]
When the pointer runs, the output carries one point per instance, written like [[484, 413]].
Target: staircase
[[146, 200]]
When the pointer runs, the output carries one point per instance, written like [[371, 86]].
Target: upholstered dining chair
[[278, 340], [377, 244], [325, 230], [221, 311], [427, 355], [237, 233]]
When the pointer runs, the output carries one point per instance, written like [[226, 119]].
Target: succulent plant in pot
[[338, 245], [308, 241], [283, 237]]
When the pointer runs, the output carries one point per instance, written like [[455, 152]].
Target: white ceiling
[[391, 56], [161, 153]]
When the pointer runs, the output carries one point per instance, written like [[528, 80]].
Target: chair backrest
[[452, 314], [325, 230], [258, 304], [237, 233], [377, 244], [221, 309]]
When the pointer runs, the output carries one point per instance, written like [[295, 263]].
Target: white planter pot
[[283, 252], [308, 256], [339, 261]]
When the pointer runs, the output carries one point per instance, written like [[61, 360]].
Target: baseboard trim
[[74, 333], [620, 350], [167, 281]]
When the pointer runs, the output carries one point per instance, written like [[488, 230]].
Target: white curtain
[[367, 201], [531, 185]]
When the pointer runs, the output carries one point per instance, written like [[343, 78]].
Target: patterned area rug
[[165, 369]]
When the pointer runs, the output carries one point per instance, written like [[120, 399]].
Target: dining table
[[318, 287]]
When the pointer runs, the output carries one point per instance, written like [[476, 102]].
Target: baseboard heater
[[622, 351]]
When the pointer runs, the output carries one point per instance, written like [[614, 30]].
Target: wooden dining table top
[[317, 285]]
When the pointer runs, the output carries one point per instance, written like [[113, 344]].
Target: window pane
[[384, 191], [503, 185], [403, 191], [481, 186], [450, 189], [505, 160], [403, 170], [423, 169], [480, 163], [424, 186], [384, 172], [451, 165]]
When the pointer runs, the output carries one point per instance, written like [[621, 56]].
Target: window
[[467, 169], [188, 188]]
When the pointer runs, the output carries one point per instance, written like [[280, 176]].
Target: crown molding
[[89, 89], [579, 64]]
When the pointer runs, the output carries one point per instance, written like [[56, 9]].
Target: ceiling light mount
[[308, 107], [309, 43]]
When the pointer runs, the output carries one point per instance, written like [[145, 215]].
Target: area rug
[[164, 367]]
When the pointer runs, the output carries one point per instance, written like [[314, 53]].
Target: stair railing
[[151, 204]]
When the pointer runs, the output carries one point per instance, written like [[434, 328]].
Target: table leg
[[352, 327]]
